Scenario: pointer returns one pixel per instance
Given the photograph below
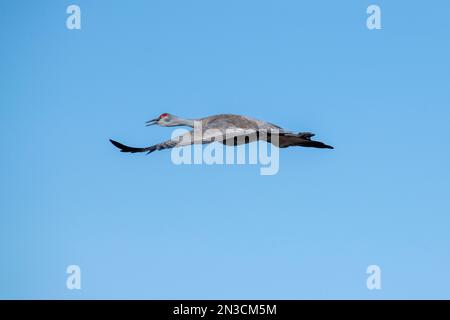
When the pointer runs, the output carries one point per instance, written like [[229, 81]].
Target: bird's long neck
[[185, 122]]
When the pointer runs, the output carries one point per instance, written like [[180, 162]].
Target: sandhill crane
[[227, 129]]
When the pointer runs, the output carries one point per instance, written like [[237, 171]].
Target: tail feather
[[306, 135], [302, 139], [314, 144]]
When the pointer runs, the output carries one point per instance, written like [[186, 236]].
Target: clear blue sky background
[[141, 227]]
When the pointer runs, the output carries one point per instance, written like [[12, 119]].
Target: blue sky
[[140, 227]]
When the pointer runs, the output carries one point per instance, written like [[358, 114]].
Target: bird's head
[[164, 120]]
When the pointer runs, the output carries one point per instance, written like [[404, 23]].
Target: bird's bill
[[151, 122]]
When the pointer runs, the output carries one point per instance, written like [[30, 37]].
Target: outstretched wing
[[183, 140], [160, 146]]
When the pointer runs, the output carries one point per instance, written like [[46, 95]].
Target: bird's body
[[228, 129], [235, 121]]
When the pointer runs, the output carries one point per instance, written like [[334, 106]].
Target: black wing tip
[[118, 145], [122, 147], [127, 149], [115, 143]]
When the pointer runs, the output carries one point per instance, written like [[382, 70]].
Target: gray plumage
[[228, 129]]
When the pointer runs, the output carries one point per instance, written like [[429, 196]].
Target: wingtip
[[115, 143]]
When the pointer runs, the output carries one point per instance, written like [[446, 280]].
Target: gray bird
[[228, 129]]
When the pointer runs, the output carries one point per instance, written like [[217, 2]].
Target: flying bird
[[228, 129]]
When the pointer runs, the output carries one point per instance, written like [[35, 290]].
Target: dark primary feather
[[124, 148], [164, 145]]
